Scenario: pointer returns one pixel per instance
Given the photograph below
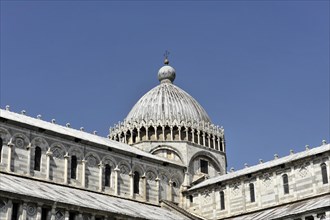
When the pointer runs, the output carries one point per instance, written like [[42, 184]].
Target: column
[[163, 128], [39, 209], [24, 211], [170, 191], [214, 204], [186, 179], [66, 165], [10, 149], [198, 137], [203, 139], [48, 155], [53, 212], [208, 140], [179, 128], [156, 136], [138, 135], [93, 217], [147, 133], [80, 217], [116, 179], [9, 209], [313, 179], [213, 137], [187, 134], [83, 173], [171, 128], [144, 179], [30, 150], [193, 135], [125, 141], [101, 166], [294, 190], [276, 188], [66, 215], [157, 188], [257, 191], [227, 199], [243, 196], [131, 180], [219, 143], [223, 145]]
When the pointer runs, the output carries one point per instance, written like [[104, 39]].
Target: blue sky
[[259, 68]]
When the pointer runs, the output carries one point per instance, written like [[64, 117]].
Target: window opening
[[107, 175], [285, 184], [136, 182], [73, 167], [44, 213], [252, 194], [204, 166], [72, 216], [37, 158], [14, 215], [222, 200], [324, 173], [191, 199], [1, 142]]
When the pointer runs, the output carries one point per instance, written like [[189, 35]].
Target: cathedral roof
[[84, 136], [26, 187], [167, 102], [262, 166]]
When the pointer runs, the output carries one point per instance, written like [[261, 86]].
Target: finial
[[7, 107], [307, 147], [82, 129], [246, 165], [53, 121], [68, 125], [232, 169], [291, 152], [166, 61], [261, 161], [324, 142], [95, 132], [39, 116], [275, 156], [23, 112]]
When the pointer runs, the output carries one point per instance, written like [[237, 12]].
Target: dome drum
[[207, 135]]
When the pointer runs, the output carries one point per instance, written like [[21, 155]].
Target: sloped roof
[[289, 210], [78, 134], [87, 199], [266, 165]]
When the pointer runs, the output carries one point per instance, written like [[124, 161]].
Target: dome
[[167, 102], [168, 113]]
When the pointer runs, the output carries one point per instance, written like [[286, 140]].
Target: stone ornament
[[123, 169], [57, 153], [31, 209], [3, 205], [19, 142], [92, 161], [59, 215]]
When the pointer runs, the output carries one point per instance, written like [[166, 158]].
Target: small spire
[[166, 61]]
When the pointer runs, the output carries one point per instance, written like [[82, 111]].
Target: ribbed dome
[[167, 102]]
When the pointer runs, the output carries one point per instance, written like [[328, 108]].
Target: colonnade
[[169, 133], [19, 210], [101, 174]]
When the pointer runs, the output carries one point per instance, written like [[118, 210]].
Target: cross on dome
[[166, 74]]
